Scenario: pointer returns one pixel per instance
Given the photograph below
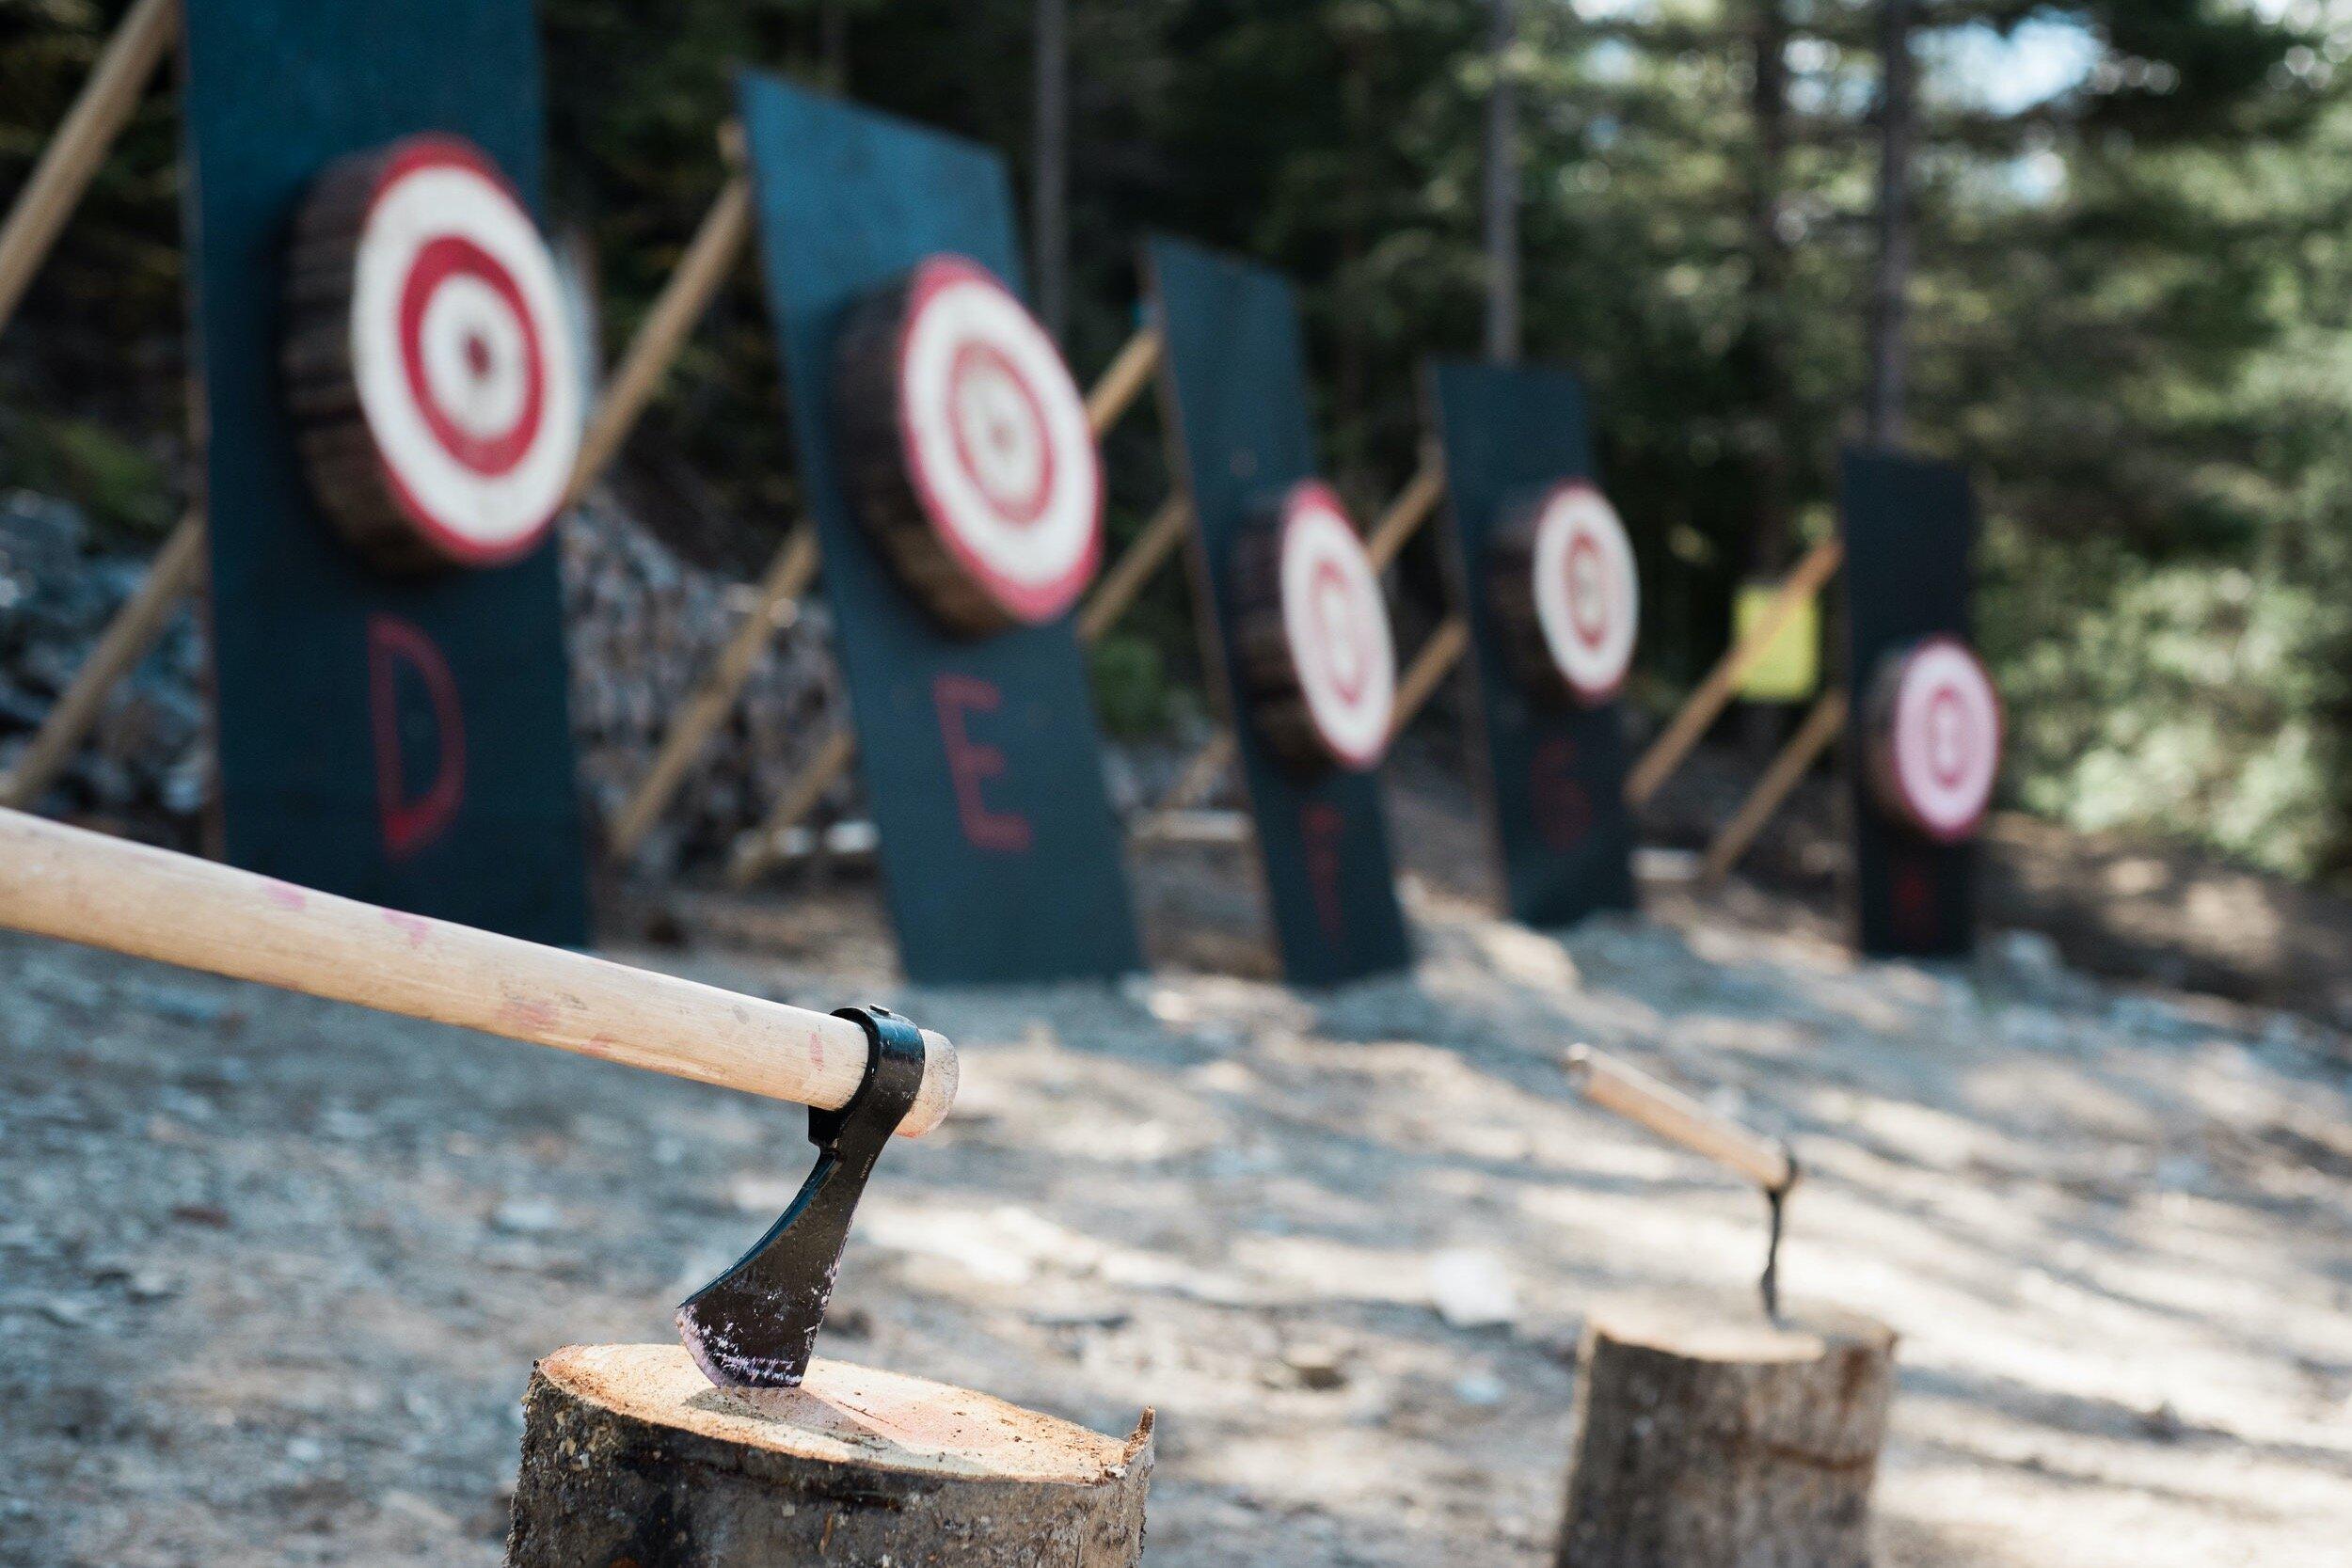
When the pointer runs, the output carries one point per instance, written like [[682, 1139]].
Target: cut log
[[1713, 1437], [630, 1456]]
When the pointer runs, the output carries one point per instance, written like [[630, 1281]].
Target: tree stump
[[632, 1459], [1713, 1437]]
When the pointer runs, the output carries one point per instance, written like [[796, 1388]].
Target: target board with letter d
[[1925, 733], [946, 458], [1547, 576], [1296, 624], [391, 408]]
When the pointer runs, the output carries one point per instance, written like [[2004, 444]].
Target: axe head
[[753, 1326]]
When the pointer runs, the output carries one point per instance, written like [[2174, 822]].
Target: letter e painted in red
[[971, 764]]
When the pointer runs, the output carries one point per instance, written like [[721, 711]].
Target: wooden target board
[[1544, 572], [1925, 739], [1233, 383], [955, 520], [392, 403]]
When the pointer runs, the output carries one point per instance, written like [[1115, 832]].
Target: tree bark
[[1890, 281], [1502, 186], [631, 1457], [1768, 286], [1763, 723], [1714, 1438], [1049, 194]]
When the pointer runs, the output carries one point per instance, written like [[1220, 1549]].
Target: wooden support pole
[[79, 886], [756, 850], [1115, 393], [630, 1456], [1414, 505], [1129, 373], [1709, 1436], [700, 273], [1812, 738], [1431, 665], [1125, 580], [1714, 693], [788, 574], [73, 157], [125, 641]]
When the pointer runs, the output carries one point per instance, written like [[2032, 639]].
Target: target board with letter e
[[392, 406], [1546, 573], [946, 458], [1296, 624], [1926, 731]]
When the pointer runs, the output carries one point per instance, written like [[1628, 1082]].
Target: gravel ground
[[273, 1272]]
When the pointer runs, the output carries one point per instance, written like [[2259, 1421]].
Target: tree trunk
[[1502, 187], [1763, 723], [1049, 194], [631, 1457], [1768, 287], [1713, 1438], [1890, 281]]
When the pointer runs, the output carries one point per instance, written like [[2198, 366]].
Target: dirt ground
[[273, 1272]]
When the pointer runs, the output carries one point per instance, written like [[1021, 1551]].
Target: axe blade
[[753, 1326]]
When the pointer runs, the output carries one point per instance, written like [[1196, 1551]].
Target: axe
[[864, 1073], [1615, 1085]]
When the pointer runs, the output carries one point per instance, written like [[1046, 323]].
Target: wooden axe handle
[[77, 886], [1679, 1118]]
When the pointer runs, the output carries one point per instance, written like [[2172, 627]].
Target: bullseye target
[[1567, 594], [966, 450], [1935, 724], [430, 365], [1313, 633]]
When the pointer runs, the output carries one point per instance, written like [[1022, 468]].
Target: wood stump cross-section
[[632, 1459], [1713, 1437]]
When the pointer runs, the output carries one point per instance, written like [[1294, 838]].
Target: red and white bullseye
[[461, 355], [1336, 624], [1936, 737], [1587, 595], [997, 443]]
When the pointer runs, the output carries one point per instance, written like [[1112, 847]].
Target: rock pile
[[646, 627], [149, 763], [643, 628]]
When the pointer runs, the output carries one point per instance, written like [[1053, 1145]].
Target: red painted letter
[[1320, 823], [1563, 812], [1912, 897], [972, 763], [411, 822]]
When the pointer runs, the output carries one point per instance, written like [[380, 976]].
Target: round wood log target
[[1566, 594], [966, 449], [430, 367], [1317, 655], [1934, 727]]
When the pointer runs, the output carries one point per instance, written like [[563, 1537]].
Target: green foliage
[[1130, 687], [124, 490]]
